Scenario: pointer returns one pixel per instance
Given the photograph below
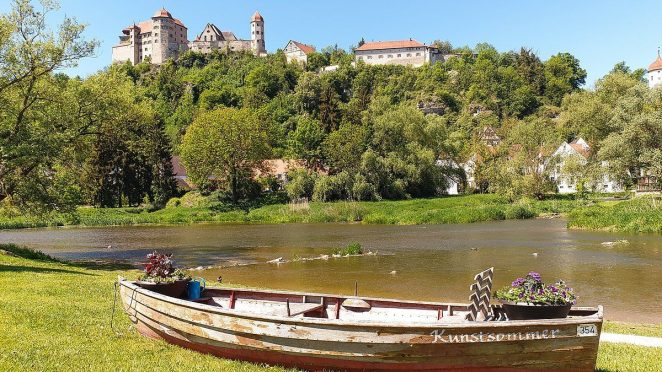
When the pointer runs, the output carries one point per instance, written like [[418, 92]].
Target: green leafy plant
[[532, 290]]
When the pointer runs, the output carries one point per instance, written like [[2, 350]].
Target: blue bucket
[[195, 288]]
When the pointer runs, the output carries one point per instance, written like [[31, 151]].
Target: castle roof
[[377, 45], [162, 13], [307, 49], [657, 64], [229, 35], [257, 17]]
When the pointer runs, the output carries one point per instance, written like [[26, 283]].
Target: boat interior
[[353, 308]]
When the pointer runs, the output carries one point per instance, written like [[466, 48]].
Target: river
[[424, 262]]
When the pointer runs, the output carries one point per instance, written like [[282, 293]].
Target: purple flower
[[521, 295], [517, 282], [535, 276]]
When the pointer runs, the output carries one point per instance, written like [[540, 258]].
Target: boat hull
[[318, 344]]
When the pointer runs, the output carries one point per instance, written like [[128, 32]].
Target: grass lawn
[[457, 209], [56, 316]]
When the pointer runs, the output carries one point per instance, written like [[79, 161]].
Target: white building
[[403, 52], [655, 71], [296, 51], [580, 150], [159, 39]]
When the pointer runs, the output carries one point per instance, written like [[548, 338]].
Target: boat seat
[[302, 308]]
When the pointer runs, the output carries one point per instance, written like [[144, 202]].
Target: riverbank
[[445, 210], [638, 215], [55, 335]]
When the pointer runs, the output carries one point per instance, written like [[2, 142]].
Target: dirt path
[[631, 339]]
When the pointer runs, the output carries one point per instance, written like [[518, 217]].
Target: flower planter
[[173, 289], [523, 311]]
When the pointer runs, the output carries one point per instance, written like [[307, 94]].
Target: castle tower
[[655, 71], [257, 34]]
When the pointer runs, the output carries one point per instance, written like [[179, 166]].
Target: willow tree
[[224, 146]]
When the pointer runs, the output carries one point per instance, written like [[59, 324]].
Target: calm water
[[433, 262]]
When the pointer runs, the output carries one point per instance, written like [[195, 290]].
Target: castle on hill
[[164, 37]]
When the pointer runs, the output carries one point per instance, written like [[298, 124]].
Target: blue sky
[[599, 33]]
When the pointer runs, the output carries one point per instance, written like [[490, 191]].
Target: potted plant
[[162, 277], [530, 298]]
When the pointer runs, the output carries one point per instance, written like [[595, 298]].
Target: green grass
[[650, 330], [55, 316], [458, 209], [638, 215]]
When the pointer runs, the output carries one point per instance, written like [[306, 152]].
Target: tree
[[37, 123], [305, 141], [343, 148], [564, 75], [444, 46], [129, 155], [523, 164], [635, 148], [307, 93], [225, 146], [316, 61]]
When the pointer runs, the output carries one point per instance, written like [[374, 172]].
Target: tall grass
[[638, 215], [458, 209]]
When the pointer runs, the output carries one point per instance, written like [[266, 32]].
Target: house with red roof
[[161, 38], [296, 51], [580, 151], [400, 52]]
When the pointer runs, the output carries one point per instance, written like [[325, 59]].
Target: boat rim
[[597, 317]]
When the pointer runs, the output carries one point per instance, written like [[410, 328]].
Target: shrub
[[519, 212], [336, 187], [173, 203], [301, 184], [352, 249], [194, 199], [362, 190]]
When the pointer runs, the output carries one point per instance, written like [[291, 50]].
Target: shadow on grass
[[109, 265], [30, 254], [32, 269]]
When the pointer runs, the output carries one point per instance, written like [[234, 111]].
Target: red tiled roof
[[143, 27], [304, 48], [180, 23], [257, 17], [656, 65], [162, 13], [376, 45], [583, 151]]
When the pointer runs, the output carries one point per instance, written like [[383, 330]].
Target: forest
[[107, 140]]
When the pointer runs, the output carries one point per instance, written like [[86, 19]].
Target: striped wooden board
[[479, 300]]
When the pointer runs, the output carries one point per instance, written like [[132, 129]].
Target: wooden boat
[[329, 332]]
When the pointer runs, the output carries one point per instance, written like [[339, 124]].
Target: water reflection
[[432, 262]]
